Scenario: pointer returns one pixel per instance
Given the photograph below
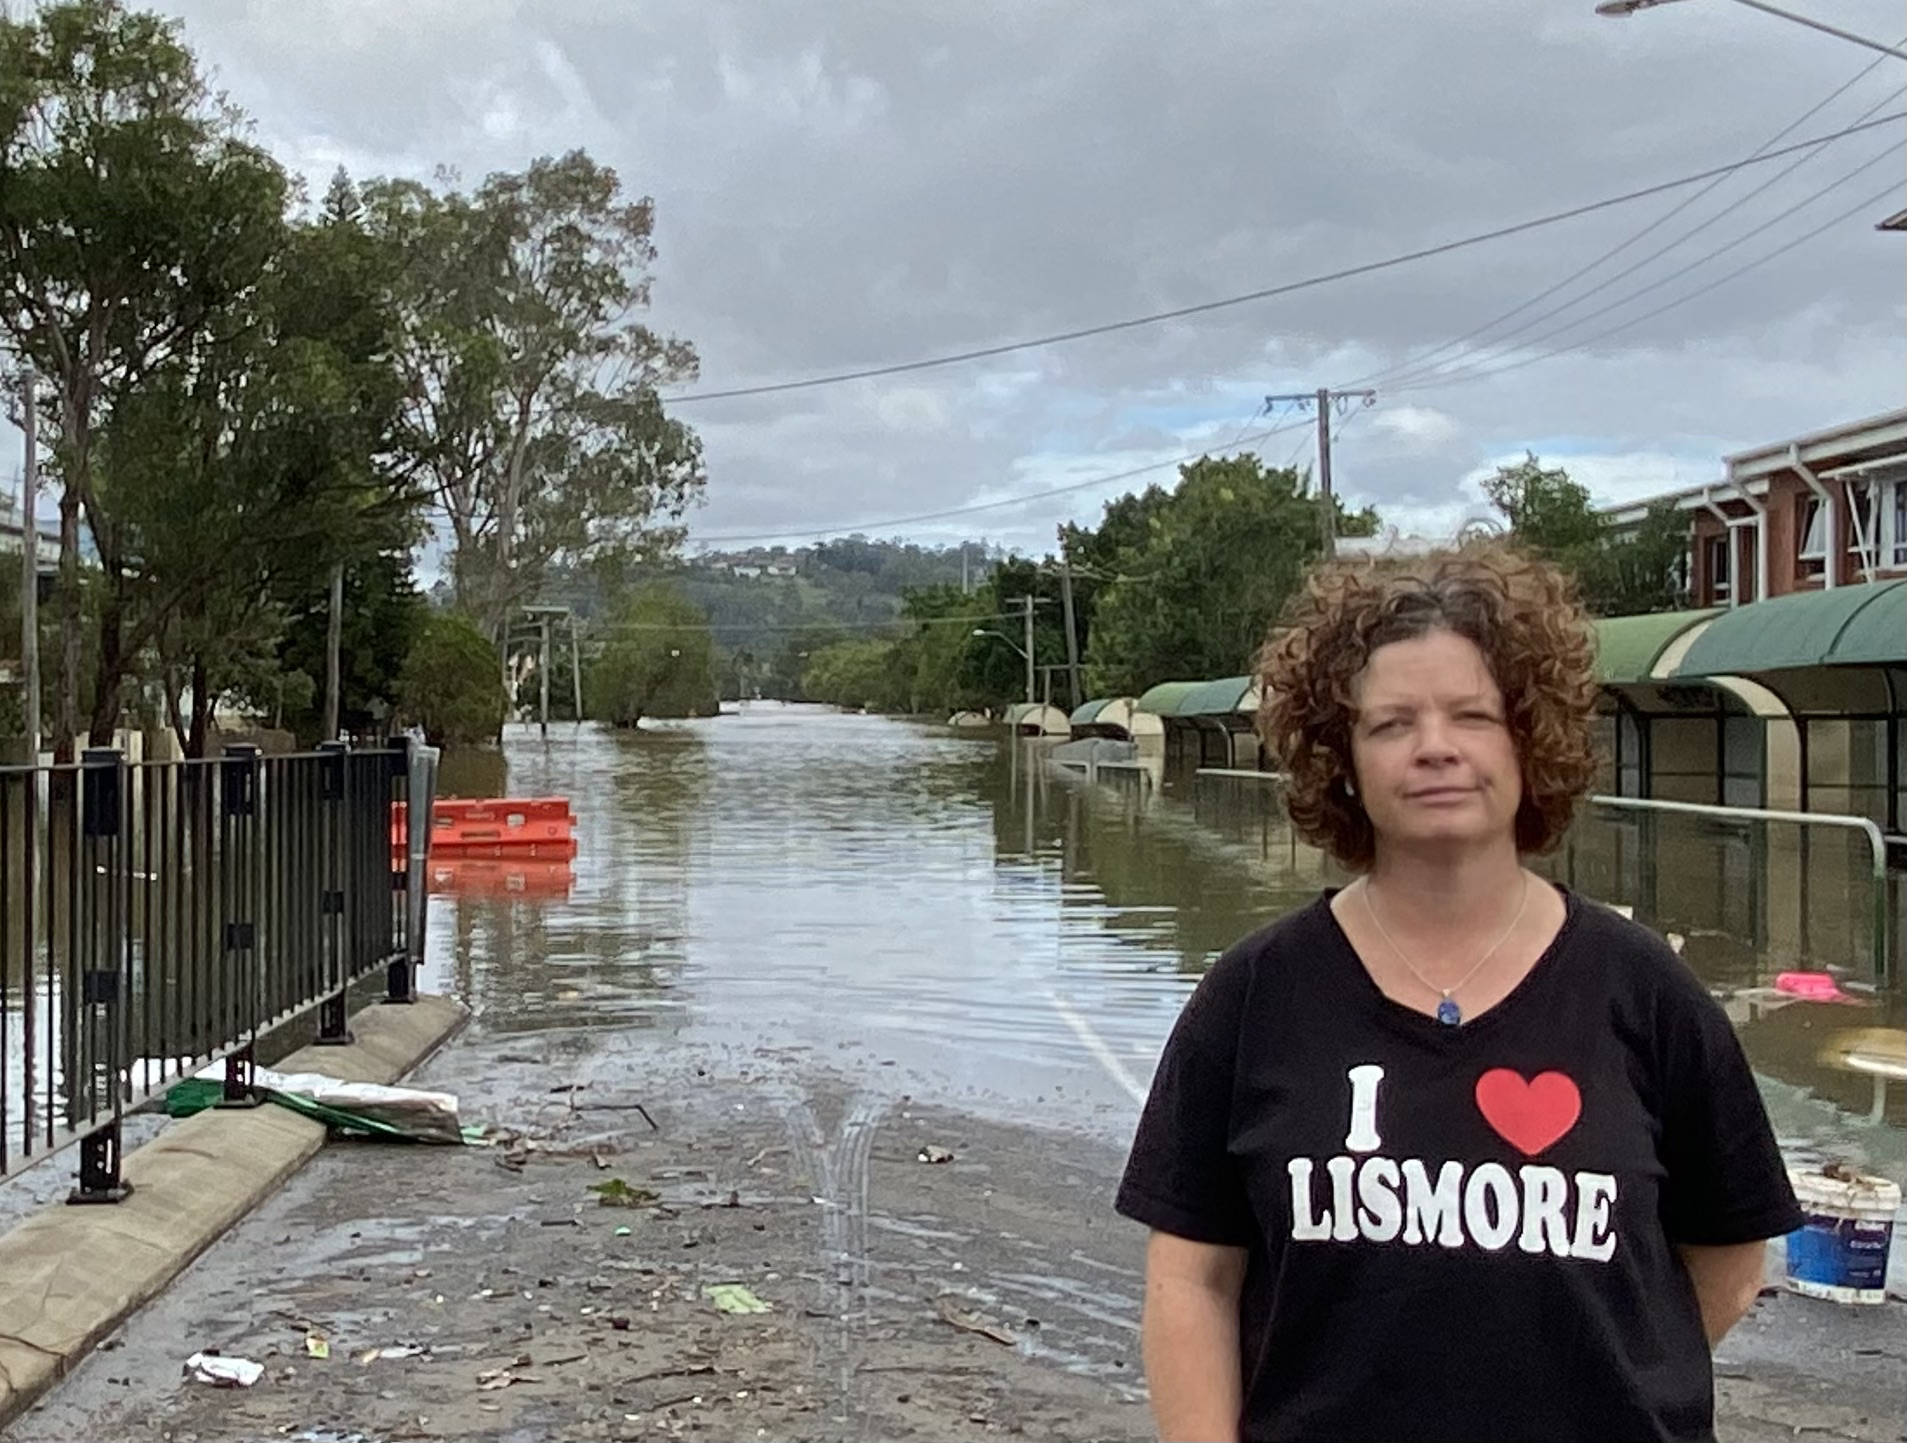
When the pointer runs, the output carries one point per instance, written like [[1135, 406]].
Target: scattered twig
[[969, 1322], [694, 1370]]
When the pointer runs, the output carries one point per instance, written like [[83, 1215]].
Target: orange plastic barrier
[[537, 828]]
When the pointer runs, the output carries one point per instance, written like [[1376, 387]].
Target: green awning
[[1163, 699], [1628, 647], [1842, 626], [1089, 712], [1216, 698], [1876, 635]]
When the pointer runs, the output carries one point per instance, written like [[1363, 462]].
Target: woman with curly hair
[[1450, 1153]]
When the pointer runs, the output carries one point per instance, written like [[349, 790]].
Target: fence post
[[96, 995], [334, 1028], [238, 814], [400, 971]]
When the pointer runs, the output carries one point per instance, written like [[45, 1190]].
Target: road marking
[[1095, 1044]]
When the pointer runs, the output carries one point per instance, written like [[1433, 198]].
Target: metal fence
[[159, 917]]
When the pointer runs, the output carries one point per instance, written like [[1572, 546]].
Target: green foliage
[[1641, 570], [256, 460], [532, 406], [657, 661], [858, 674], [1194, 596], [383, 617], [450, 684], [1546, 510], [1621, 573], [133, 215]]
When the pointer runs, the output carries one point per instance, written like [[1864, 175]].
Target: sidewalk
[[488, 1293]]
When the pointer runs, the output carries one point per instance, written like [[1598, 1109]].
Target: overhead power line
[[797, 629], [981, 353], [1500, 349], [978, 506], [1410, 367], [1861, 206]]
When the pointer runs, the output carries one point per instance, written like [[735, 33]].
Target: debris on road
[[217, 1371], [735, 1298], [618, 1194], [932, 1154], [391, 1354], [971, 1322]]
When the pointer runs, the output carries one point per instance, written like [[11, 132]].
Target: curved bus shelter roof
[[1163, 699], [1185, 700], [1031, 718], [1118, 715], [1862, 625], [1632, 649]]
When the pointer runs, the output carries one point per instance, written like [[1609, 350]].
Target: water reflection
[[825, 881]]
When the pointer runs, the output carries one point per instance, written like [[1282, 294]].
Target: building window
[[1812, 527], [1880, 522], [1720, 572]]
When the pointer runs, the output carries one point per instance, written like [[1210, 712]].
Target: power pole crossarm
[[1327, 401]]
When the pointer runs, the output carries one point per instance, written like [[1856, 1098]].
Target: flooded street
[[949, 917], [878, 892]]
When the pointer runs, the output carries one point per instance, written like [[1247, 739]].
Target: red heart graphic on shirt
[[1528, 1115]]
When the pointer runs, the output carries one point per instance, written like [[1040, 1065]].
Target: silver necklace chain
[[1446, 993]]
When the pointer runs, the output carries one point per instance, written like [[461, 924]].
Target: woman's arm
[[1190, 1338], [1727, 1281]]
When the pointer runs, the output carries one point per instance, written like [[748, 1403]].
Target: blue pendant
[[1449, 1013]]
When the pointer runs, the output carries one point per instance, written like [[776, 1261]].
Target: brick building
[[1807, 514]]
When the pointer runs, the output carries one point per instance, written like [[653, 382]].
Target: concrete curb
[[70, 1275]]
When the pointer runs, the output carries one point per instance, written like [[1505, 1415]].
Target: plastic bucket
[[1840, 1253]]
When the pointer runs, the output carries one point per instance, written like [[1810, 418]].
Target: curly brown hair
[[1523, 614]]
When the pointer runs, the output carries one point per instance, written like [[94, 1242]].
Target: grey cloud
[[849, 184]]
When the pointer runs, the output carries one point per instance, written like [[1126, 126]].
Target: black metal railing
[[159, 917]]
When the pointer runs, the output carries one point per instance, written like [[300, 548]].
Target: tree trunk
[[174, 715], [200, 735], [66, 723], [112, 659], [333, 645]]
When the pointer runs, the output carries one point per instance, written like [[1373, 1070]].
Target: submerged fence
[[159, 917]]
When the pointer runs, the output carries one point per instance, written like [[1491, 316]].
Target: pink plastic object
[[1811, 987]]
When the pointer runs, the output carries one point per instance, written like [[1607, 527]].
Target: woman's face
[[1434, 759]]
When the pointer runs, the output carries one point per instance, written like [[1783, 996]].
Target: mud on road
[[489, 1292], [493, 1292]]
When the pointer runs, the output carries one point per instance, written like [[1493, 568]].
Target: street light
[[1618, 8], [982, 631], [1025, 655]]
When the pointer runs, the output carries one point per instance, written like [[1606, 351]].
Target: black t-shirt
[[1462, 1233]]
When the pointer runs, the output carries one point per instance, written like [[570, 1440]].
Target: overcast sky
[[849, 183]]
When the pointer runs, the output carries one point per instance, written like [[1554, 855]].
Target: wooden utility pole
[[1066, 615], [543, 672], [1026, 607], [333, 659], [30, 564], [1328, 403], [576, 669]]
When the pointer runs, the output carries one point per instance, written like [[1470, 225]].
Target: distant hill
[[767, 605]]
